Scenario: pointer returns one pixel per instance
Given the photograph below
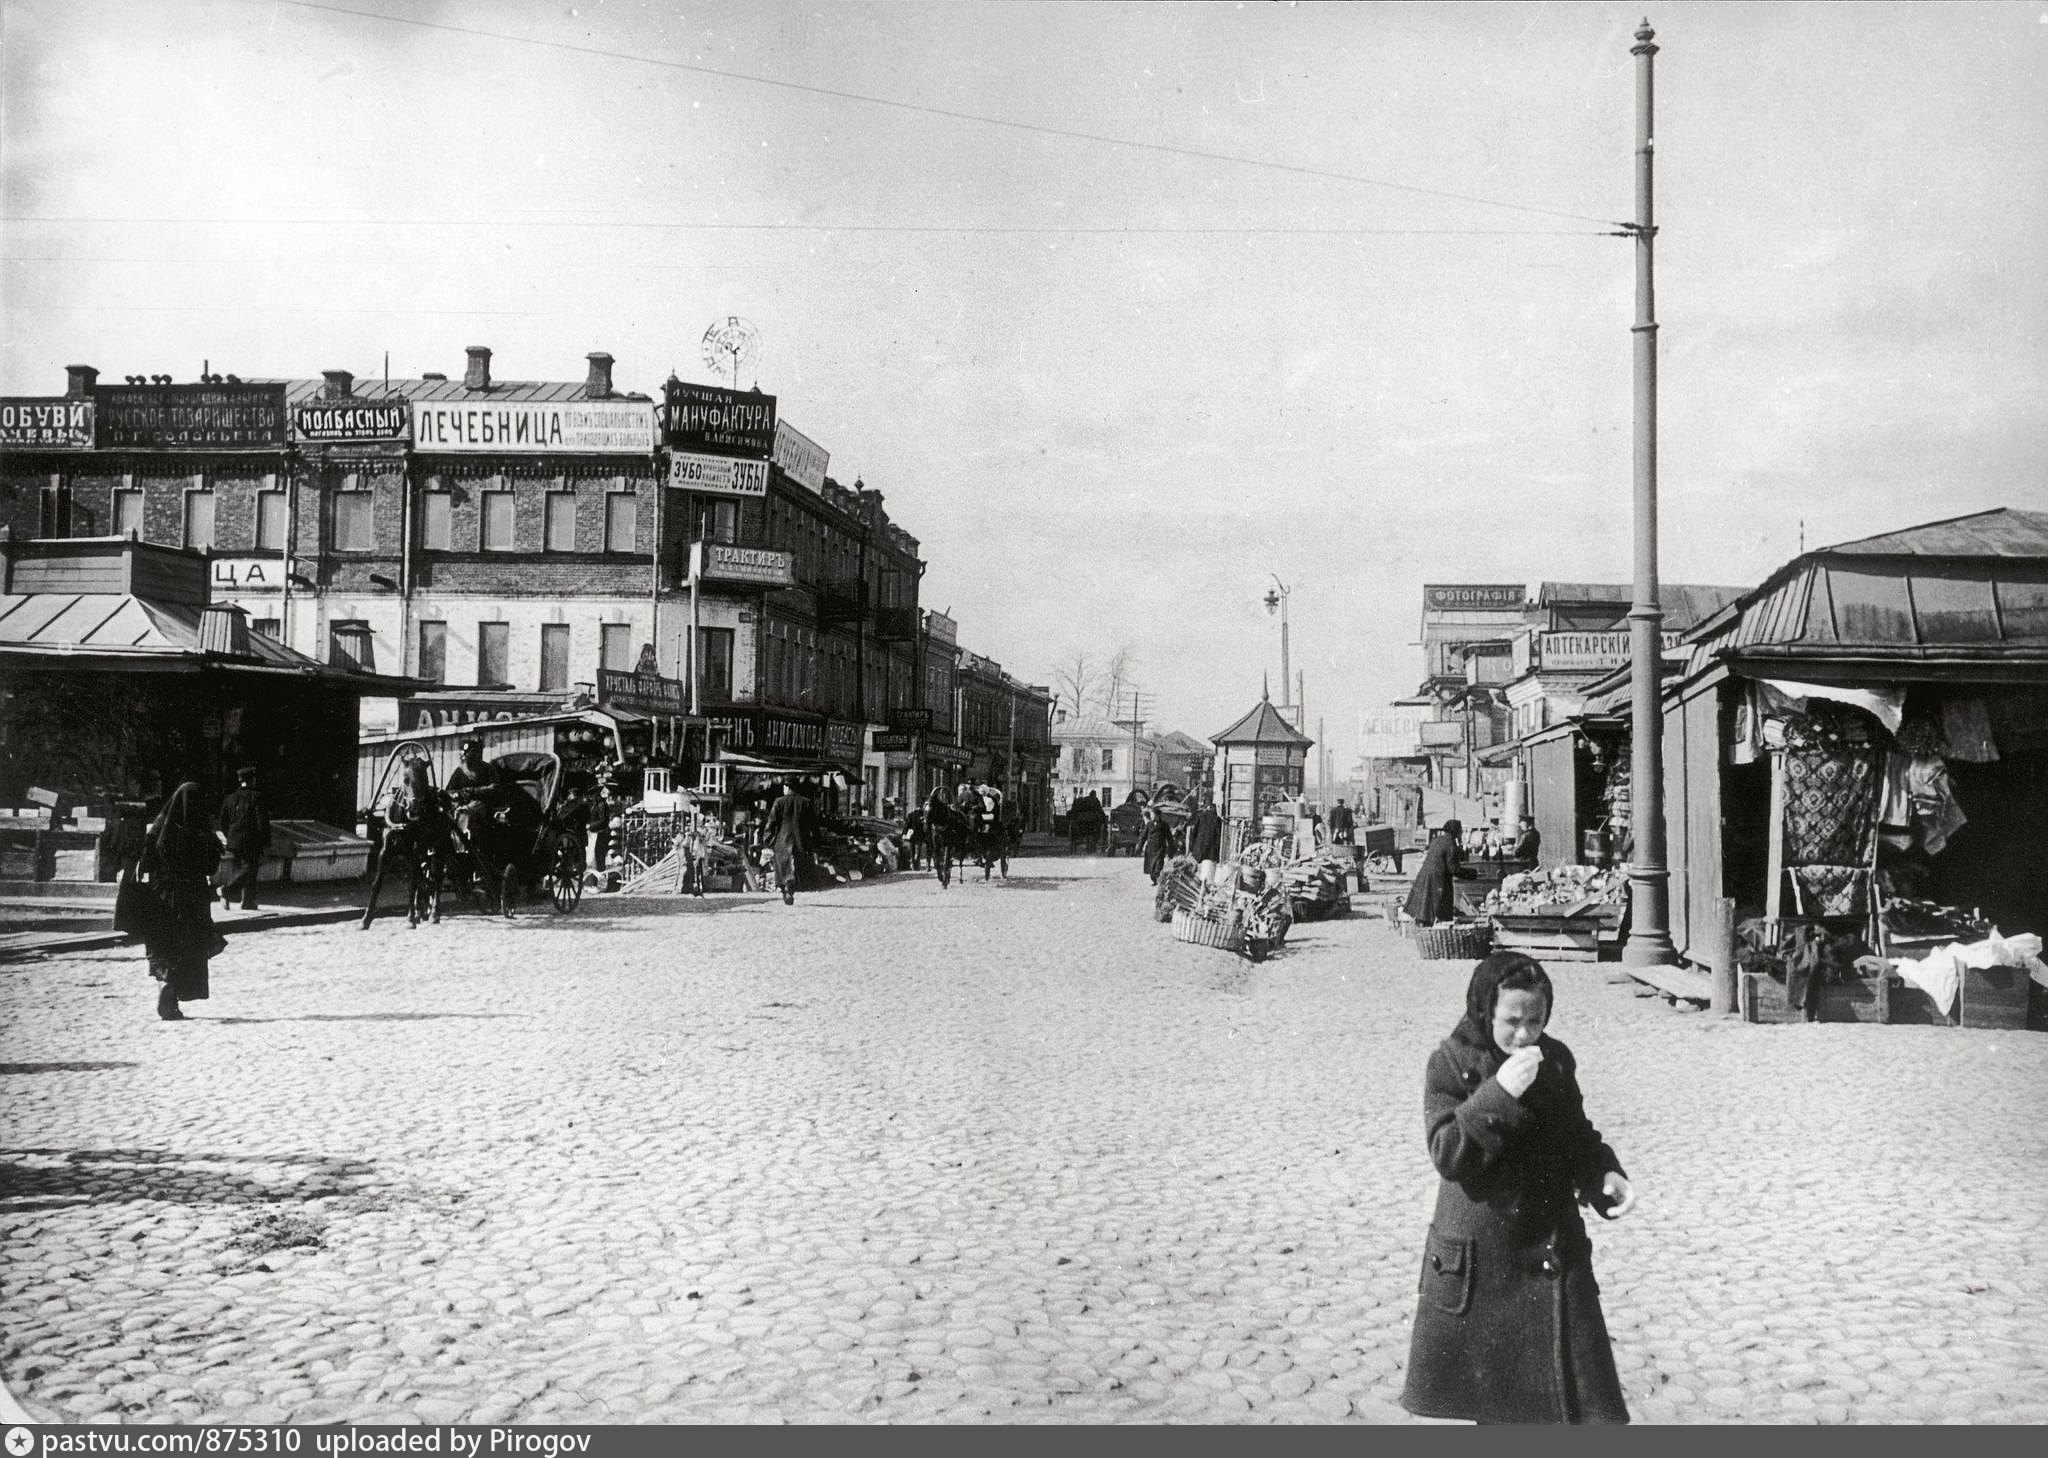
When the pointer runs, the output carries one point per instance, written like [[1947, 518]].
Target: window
[[127, 512], [493, 641], [272, 628], [718, 521], [1109, 761], [554, 657], [56, 513], [615, 646], [349, 645], [434, 652], [621, 521], [352, 521], [270, 512], [497, 521], [199, 520], [561, 521], [714, 660], [437, 521]]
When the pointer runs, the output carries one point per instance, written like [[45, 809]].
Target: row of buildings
[[507, 548]]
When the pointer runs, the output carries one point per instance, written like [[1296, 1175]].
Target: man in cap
[[245, 830], [791, 830]]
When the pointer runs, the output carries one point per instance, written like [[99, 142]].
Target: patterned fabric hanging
[[1830, 806]]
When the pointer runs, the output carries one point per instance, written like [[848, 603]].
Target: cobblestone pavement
[[1003, 1152]]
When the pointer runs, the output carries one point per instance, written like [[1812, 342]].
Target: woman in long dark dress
[[1158, 843], [179, 858], [1433, 897], [1508, 1326]]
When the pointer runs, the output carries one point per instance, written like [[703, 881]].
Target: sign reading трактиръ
[[593, 427]]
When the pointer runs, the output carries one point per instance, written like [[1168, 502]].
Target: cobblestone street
[[1005, 1152]]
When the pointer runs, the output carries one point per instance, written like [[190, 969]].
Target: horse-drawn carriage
[[523, 831], [958, 837]]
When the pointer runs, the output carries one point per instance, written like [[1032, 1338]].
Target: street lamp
[[1276, 602]]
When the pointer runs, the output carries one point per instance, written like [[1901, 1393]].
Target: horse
[[946, 833], [417, 834]]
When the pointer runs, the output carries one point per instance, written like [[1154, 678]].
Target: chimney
[[224, 628], [82, 378], [340, 384], [597, 385], [433, 375], [479, 376]]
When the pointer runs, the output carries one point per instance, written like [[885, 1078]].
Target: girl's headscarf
[[180, 813], [1495, 969], [1453, 829]]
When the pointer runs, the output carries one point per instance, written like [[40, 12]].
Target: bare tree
[[1077, 681], [1119, 681]]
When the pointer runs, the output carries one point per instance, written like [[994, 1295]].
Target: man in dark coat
[[791, 830], [1508, 1326], [1343, 825], [1205, 836], [1528, 845], [1433, 897], [245, 830]]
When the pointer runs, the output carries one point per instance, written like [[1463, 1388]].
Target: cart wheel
[[565, 882]]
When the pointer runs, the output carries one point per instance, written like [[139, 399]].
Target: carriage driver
[[473, 776]]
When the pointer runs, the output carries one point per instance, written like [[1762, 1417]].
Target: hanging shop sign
[[344, 420], [52, 424], [889, 742], [1566, 652], [1471, 597], [910, 719], [1443, 734], [447, 713], [642, 693], [726, 475], [705, 417], [941, 629], [769, 731], [748, 566], [585, 427], [843, 741], [802, 459], [952, 754], [149, 417], [1278, 754]]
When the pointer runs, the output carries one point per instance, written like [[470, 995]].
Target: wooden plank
[[1773, 898], [1675, 981]]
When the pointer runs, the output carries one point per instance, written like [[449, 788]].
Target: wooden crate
[[1995, 997], [1910, 1006], [1861, 1000], [1762, 1000]]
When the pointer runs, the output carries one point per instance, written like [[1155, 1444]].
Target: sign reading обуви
[[48, 423]]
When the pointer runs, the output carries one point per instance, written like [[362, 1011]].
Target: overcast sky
[[1110, 300]]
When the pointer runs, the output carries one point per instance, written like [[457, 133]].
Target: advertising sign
[[751, 566], [728, 475], [587, 427], [952, 754], [249, 574], [1566, 652], [642, 693], [49, 423], [1470, 597], [888, 743], [149, 417], [843, 741], [1443, 734], [341, 420], [1278, 754], [802, 459], [706, 417], [910, 718], [941, 628], [751, 731]]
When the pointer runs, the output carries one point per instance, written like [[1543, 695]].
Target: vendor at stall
[[1433, 897]]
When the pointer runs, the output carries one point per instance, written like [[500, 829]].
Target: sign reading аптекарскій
[[591, 427]]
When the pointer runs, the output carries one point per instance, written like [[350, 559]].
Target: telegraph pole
[[1649, 939]]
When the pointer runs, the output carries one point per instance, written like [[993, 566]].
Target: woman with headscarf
[[178, 859], [1508, 1326], [1433, 897]]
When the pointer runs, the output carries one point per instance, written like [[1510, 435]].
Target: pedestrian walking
[[1434, 896], [1343, 825], [791, 832], [178, 862], [1158, 844], [245, 830], [1508, 1326]]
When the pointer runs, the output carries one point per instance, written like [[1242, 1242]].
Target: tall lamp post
[[1649, 939], [1276, 602]]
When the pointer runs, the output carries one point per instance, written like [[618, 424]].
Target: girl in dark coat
[[179, 858], [1433, 897], [1508, 1327]]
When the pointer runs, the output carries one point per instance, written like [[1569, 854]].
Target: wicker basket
[[1455, 941], [1225, 934]]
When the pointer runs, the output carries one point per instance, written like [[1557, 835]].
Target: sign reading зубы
[[193, 416], [593, 427], [1474, 597], [754, 566], [705, 417], [50, 422], [326, 420], [1562, 652], [641, 693], [725, 475]]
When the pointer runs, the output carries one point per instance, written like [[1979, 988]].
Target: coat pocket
[[1447, 1273]]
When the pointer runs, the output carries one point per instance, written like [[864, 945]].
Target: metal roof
[[1263, 725], [1684, 604], [2000, 532]]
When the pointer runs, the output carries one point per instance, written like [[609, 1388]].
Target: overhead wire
[[1037, 128]]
